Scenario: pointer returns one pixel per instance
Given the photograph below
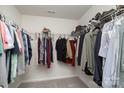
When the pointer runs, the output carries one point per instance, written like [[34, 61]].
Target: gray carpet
[[73, 82]]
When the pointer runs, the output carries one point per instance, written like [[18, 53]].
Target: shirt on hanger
[[88, 50], [9, 37], [4, 35], [109, 50]]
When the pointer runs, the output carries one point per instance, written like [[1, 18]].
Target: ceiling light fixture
[[51, 11]]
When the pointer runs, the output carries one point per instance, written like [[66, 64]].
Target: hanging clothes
[[14, 54], [46, 49], [61, 49], [58, 49], [120, 71], [106, 82], [29, 48], [26, 47], [1, 45], [4, 35], [21, 55], [14, 67], [16, 46], [109, 50], [121, 44], [8, 65], [9, 37], [88, 50], [98, 60], [45, 52], [3, 70], [77, 48], [18, 41], [18, 35], [71, 50], [51, 46], [15, 51], [39, 46], [11, 34], [42, 54], [80, 48], [72, 43]]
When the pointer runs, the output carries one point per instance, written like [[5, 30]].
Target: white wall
[[11, 13], [93, 11], [56, 25]]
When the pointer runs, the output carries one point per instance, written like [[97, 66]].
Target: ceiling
[[62, 11]]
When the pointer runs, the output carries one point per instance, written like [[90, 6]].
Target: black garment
[[16, 47], [24, 42], [39, 44], [9, 72], [51, 50], [43, 50], [57, 49], [86, 70], [98, 60], [61, 49], [48, 54], [0, 17], [29, 48], [80, 48], [79, 30]]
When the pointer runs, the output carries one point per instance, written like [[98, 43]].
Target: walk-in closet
[[61, 46]]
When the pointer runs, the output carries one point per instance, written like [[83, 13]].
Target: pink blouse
[[4, 36]]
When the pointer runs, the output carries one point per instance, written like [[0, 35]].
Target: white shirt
[[110, 51]]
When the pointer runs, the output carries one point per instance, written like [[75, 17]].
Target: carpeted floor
[[73, 82]]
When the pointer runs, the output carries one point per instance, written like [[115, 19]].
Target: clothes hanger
[[64, 35], [46, 30], [60, 37]]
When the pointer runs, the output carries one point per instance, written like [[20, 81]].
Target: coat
[[88, 50]]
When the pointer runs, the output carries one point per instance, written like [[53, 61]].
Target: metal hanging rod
[[113, 13], [60, 34], [13, 23], [107, 16], [7, 20]]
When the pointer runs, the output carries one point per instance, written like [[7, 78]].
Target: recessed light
[[51, 11]]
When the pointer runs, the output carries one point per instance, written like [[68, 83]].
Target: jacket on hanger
[[71, 50], [88, 50], [61, 49]]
